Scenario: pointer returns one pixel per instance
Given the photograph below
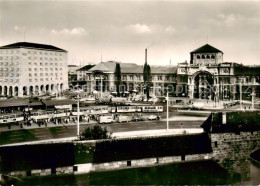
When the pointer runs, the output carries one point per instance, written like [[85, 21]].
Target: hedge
[[139, 148], [236, 122], [38, 156]]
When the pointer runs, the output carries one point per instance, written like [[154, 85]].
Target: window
[[30, 69], [30, 75], [30, 80], [35, 64], [198, 57]]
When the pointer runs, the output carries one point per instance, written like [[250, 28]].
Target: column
[[200, 85], [253, 97]]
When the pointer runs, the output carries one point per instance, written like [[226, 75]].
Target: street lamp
[[167, 123]]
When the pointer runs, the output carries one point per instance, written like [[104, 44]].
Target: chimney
[[146, 55]]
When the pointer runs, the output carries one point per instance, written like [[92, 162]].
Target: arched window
[[203, 57], [208, 57], [198, 57], [212, 57]]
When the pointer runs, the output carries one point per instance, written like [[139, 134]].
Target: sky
[[92, 31]]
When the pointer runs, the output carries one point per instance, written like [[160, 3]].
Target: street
[[64, 131]]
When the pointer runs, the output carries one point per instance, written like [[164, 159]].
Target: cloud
[[18, 28], [140, 28], [170, 29], [78, 31]]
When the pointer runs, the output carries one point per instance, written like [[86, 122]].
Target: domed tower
[[205, 55]]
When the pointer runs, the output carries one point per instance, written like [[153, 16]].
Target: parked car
[[138, 118], [153, 117]]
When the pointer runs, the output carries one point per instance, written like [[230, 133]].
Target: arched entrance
[[10, 91], [16, 91], [5, 90], [31, 90], [24, 91], [61, 87], [36, 90], [203, 86], [47, 88]]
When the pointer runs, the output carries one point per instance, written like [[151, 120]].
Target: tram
[[11, 118]]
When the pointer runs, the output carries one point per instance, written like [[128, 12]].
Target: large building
[[132, 77], [206, 76], [32, 69]]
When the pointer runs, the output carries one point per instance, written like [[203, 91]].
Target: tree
[[95, 132], [147, 79], [117, 74]]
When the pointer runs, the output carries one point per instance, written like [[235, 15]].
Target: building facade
[[206, 76], [102, 76], [31, 69]]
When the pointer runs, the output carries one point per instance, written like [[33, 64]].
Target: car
[[153, 117], [138, 118]]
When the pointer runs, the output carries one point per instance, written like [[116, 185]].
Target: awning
[[14, 102], [49, 103]]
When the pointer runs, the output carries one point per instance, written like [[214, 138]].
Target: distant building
[[32, 69], [72, 74], [206, 76], [132, 77]]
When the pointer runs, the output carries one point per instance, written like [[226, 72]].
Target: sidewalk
[[50, 124]]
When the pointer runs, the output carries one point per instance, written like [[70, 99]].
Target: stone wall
[[232, 151], [93, 167]]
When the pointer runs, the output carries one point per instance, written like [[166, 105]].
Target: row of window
[[9, 75], [205, 57], [9, 80], [9, 69], [46, 69], [9, 63], [44, 53], [9, 57], [46, 74], [9, 51], [46, 64], [46, 59], [46, 79]]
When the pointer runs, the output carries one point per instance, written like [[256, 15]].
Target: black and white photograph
[[129, 92]]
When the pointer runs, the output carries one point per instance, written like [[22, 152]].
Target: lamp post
[[240, 91], [78, 116], [167, 123]]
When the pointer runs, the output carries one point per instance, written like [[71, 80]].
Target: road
[[63, 131]]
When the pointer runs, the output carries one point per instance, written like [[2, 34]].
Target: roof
[[14, 102], [206, 49], [131, 68], [240, 69], [164, 69], [85, 68], [32, 45], [56, 102]]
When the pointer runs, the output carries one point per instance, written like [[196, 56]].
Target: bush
[[96, 132]]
